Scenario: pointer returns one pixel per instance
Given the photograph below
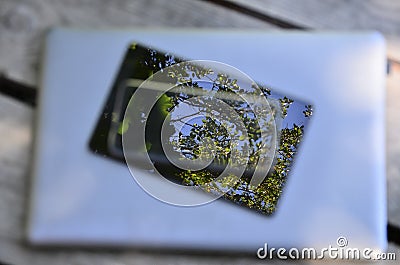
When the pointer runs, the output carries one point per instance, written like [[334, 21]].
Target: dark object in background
[[21, 92]]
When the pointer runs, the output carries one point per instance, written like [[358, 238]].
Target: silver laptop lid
[[337, 187]]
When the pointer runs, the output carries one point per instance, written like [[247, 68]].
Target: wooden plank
[[15, 127], [393, 47], [379, 15], [393, 144], [23, 24]]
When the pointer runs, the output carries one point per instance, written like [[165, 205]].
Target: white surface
[[337, 187]]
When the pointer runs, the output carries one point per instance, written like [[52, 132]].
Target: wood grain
[[393, 144], [380, 15], [23, 24]]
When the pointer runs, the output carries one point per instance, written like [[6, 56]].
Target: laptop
[[83, 194]]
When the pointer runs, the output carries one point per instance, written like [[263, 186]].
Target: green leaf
[[164, 104], [122, 129], [148, 146], [133, 46], [124, 126]]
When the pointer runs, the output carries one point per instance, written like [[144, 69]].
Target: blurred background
[[23, 25]]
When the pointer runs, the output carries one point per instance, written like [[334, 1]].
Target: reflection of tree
[[262, 198]]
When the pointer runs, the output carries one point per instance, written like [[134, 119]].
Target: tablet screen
[[188, 126]]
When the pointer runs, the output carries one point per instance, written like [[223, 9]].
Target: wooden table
[[23, 25]]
